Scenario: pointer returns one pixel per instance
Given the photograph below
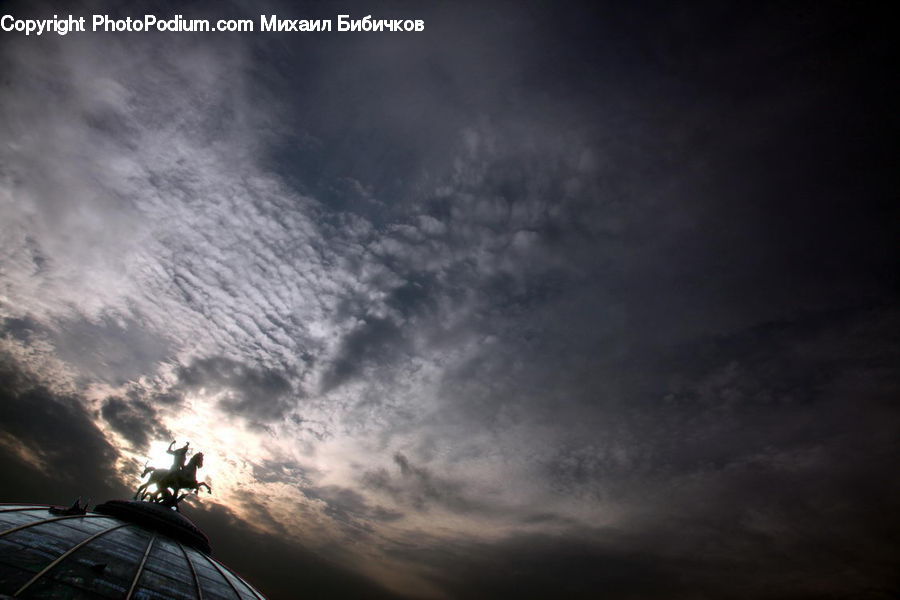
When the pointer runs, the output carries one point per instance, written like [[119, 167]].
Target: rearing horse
[[185, 478]]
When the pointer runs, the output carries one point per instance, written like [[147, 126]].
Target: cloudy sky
[[539, 302]]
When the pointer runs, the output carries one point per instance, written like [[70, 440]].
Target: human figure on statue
[[180, 455]]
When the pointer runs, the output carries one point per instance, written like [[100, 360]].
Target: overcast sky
[[550, 302]]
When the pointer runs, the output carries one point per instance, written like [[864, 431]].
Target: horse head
[[197, 460]]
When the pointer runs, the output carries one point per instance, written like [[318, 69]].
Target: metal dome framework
[[99, 556]]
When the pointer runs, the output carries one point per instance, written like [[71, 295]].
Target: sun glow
[[158, 457], [229, 450]]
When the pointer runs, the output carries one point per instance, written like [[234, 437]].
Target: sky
[[569, 301]]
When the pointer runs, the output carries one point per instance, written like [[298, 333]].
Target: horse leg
[[140, 491]]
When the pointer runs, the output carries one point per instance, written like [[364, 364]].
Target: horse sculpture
[[170, 481]]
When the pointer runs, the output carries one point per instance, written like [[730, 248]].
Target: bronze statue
[[169, 482]]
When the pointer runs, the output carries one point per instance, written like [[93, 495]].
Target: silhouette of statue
[[169, 482], [180, 455], [75, 509], [170, 500]]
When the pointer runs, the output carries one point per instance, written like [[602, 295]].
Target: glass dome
[[120, 550]]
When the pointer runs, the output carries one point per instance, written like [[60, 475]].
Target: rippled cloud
[[497, 307]]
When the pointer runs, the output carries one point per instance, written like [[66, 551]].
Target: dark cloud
[[723, 400], [635, 264], [167, 398], [270, 471], [21, 329], [51, 450], [584, 564], [540, 566], [418, 488], [416, 296], [258, 394], [350, 508], [136, 420], [374, 342]]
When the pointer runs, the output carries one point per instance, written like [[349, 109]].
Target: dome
[[120, 550]]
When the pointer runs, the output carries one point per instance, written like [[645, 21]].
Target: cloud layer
[[532, 304]]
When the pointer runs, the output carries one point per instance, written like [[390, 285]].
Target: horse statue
[[170, 481]]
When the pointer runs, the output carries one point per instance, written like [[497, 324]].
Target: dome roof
[[121, 550]]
